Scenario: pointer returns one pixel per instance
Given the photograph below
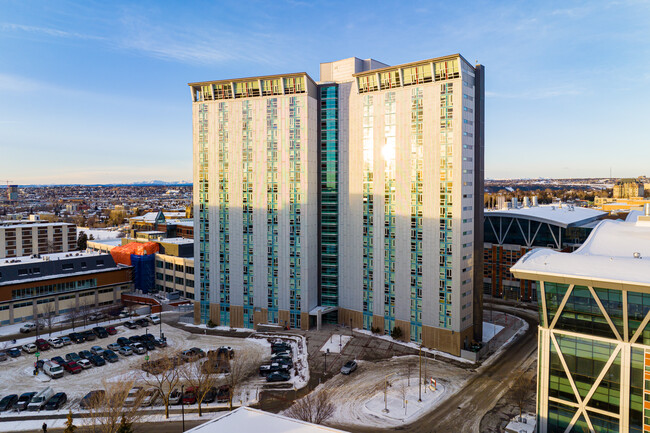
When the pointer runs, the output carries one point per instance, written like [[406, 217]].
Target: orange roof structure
[[123, 254]]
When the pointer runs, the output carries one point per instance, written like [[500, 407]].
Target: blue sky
[[96, 92]]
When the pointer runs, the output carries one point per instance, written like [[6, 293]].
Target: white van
[[39, 400], [53, 369]]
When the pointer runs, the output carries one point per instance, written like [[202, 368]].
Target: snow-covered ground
[[490, 330], [99, 234], [358, 398], [336, 343], [415, 346], [401, 400]]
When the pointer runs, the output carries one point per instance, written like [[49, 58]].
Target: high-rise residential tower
[[355, 200]]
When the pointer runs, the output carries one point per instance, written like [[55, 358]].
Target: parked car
[[84, 363], [14, 352], [38, 401], [226, 351], [142, 323], [126, 350], [155, 319], [267, 369], [89, 335], [150, 397], [175, 396], [85, 354], [72, 357], [97, 360], [114, 347], [278, 376], [100, 331], [55, 342], [135, 339], [160, 342], [92, 398], [57, 400], [223, 394], [129, 324], [210, 395], [7, 402], [147, 337], [3, 356], [53, 369], [72, 367], [123, 341], [66, 341], [190, 396], [29, 327], [148, 345], [24, 400], [29, 348], [110, 356], [133, 396], [58, 360], [349, 367], [42, 344], [76, 337], [97, 350], [278, 347], [139, 348], [111, 330]]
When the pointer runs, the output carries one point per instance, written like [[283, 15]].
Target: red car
[[190, 396], [42, 344], [111, 330], [72, 367]]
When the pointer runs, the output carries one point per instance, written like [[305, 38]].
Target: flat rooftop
[[27, 223], [608, 255], [563, 216], [50, 257], [248, 420], [177, 241]]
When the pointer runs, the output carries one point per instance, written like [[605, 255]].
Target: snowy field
[[359, 397], [490, 330], [336, 343]]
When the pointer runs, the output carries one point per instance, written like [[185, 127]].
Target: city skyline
[[106, 85]]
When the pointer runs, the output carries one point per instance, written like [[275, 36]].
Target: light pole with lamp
[[325, 355], [183, 404], [420, 377]]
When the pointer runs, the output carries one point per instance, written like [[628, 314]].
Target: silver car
[[349, 367]]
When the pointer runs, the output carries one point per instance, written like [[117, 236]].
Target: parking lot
[[18, 377]]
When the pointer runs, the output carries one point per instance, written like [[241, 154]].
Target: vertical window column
[[390, 229], [368, 210], [204, 219], [247, 211], [224, 217], [294, 211], [417, 163], [272, 208]]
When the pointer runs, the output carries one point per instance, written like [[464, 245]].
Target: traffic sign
[[146, 358], [37, 354]]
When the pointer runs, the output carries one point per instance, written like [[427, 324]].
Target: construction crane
[[8, 181]]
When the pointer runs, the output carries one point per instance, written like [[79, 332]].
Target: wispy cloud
[[46, 31], [547, 93]]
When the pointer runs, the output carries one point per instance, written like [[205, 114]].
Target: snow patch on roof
[[607, 255]]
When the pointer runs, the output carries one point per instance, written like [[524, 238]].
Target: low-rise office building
[[594, 332], [27, 237], [174, 270], [36, 286], [512, 232]]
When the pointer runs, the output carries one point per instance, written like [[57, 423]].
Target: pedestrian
[[44, 428]]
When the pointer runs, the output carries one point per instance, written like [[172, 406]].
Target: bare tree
[[49, 313], [312, 408], [521, 391], [107, 411], [163, 374], [200, 379], [85, 308], [243, 366], [73, 315]]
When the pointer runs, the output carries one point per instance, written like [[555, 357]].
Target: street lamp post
[[160, 317], [183, 404], [420, 378], [325, 354]]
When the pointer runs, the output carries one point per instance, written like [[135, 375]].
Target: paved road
[[463, 411]]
